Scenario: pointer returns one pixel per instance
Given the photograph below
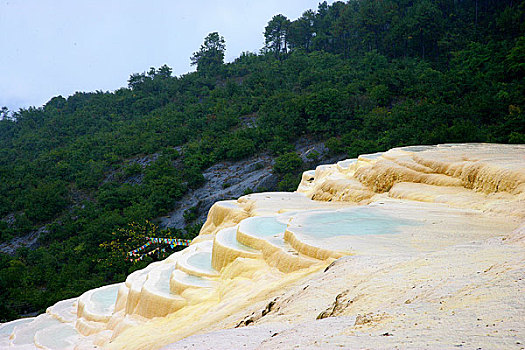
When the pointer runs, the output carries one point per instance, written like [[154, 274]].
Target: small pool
[[192, 280], [228, 236], [345, 164], [25, 334], [371, 156], [162, 284], [7, 328], [103, 300], [57, 337], [355, 221], [201, 260], [417, 148], [262, 226], [228, 204]]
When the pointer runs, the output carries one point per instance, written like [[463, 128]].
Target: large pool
[[354, 221]]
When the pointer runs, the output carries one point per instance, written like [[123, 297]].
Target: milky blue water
[[371, 155], [262, 226], [26, 335], [56, 337], [7, 328], [355, 221], [228, 204], [417, 148], [163, 283], [193, 280], [346, 163], [229, 237], [104, 299], [201, 260]]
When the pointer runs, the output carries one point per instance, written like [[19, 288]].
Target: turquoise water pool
[[229, 237], [228, 204], [262, 226], [345, 164], [417, 148], [26, 333], [7, 328], [193, 280], [202, 261], [371, 155], [355, 221], [57, 337], [104, 299], [162, 284]]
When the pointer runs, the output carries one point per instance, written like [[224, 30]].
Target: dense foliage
[[363, 76]]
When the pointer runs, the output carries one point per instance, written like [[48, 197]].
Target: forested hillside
[[362, 76]]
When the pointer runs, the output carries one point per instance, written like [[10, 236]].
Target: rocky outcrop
[[30, 241], [225, 180], [232, 179]]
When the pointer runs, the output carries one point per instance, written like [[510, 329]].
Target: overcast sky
[[58, 47]]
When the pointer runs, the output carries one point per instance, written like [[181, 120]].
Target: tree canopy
[[276, 34], [210, 57]]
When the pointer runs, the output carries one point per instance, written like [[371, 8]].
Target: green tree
[[301, 31], [136, 80], [424, 27], [276, 34], [164, 72], [210, 57], [287, 163], [4, 113]]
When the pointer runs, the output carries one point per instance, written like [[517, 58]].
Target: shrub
[[287, 163]]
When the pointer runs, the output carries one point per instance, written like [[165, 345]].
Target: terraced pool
[[103, 300], [202, 261], [262, 226], [228, 236], [162, 283], [7, 328], [354, 221]]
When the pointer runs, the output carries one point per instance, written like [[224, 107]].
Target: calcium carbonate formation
[[402, 204]]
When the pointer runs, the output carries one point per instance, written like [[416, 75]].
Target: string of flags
[[142, 256], [172, 242]]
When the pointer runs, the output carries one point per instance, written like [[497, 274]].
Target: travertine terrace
[[417, 247]]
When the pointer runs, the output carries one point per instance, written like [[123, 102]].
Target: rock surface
[[30, 241], [232, 179], [417, 247], [224, 180]]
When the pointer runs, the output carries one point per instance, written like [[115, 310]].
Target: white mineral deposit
[[417, 247]]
